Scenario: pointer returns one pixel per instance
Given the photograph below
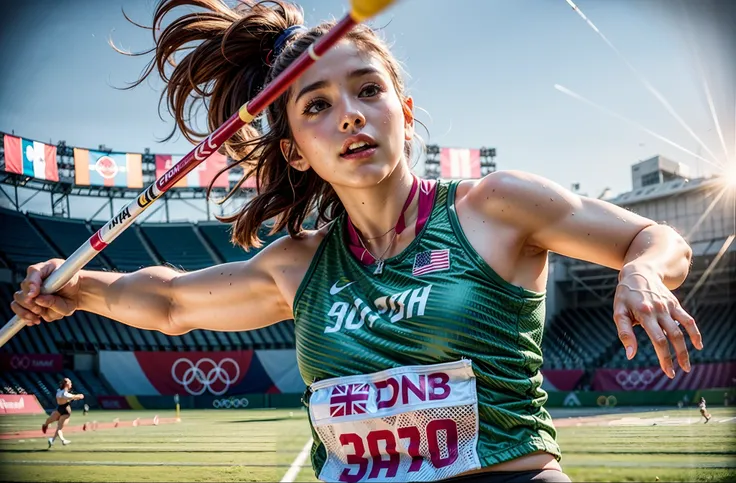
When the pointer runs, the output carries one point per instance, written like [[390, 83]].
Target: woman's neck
[[374, 212]]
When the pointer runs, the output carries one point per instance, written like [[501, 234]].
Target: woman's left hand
[[643, 299]]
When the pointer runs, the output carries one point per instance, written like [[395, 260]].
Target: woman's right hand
[[31, 306]]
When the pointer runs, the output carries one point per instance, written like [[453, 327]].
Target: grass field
[[262, 445]]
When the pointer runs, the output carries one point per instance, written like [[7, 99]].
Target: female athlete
[[418, 305], [63, 411]]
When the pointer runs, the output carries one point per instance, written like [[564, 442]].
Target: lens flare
[[729, 174]]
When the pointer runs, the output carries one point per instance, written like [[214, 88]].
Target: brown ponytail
[[229, 64]]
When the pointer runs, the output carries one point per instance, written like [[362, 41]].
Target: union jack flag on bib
[[348, 399]]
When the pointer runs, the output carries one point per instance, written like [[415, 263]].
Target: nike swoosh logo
[[334, 290]]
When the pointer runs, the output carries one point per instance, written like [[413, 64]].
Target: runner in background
[[63, 411], [703, 410]]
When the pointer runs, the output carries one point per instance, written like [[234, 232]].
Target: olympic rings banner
[[31, 362], [202, 373], [701, 376]]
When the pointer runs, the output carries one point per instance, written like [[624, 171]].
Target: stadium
[[246, 405], [129, 376]]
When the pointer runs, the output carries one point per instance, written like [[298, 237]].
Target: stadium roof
[[663, 190]]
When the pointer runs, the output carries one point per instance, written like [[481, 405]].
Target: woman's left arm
[[652, 259]]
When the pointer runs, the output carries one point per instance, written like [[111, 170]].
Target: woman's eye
[[315, 106], [371, 90]]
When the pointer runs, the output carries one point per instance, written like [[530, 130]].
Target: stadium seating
[[587, 337], [68, 235], [21, 243], [218, 235], [178, 244], [128, 252], [44, 385]]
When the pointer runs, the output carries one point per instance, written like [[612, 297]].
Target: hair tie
[[284, 37]]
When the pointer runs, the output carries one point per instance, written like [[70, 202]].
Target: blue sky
[[483, 70]]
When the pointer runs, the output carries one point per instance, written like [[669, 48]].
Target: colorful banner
[[20, 404], [561, 379], [30, 158], [97, 168], [199, 177], [701, 376], [31, 362], [459, 163], [202, 373]]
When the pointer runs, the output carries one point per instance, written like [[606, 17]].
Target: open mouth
[[357, 147]]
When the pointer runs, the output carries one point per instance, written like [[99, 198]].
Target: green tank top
[[437, 301]]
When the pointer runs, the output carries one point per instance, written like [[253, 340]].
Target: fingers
[[680, 315], [36, 274], [22, 299], [47, 307], [60, 305], [34, 278], [647, 315], [50, 315], [625, 326], [26, 315], [677, 339]]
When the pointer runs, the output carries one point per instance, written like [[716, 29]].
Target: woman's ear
[[408, 106], [293, 156]]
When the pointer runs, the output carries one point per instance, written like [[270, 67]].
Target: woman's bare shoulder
[[288, 259], [304, 245]]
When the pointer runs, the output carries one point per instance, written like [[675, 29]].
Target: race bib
[[413, 423]]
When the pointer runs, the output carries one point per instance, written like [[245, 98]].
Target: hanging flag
[[30, 158], [97, 168], [200, 176], [459, 163]]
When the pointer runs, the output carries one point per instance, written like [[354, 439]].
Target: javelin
[[360, 10]]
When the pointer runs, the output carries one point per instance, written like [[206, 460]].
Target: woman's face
[[347, 119]]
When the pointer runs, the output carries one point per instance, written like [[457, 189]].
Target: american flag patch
[[349, 399], [431, 261]]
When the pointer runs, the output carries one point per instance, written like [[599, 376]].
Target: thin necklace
[[379, 260], [377, 237], [399, 227]]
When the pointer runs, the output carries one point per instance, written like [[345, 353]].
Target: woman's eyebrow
[[321, 84]]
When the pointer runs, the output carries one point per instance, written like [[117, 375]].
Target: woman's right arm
[[230, 297]]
